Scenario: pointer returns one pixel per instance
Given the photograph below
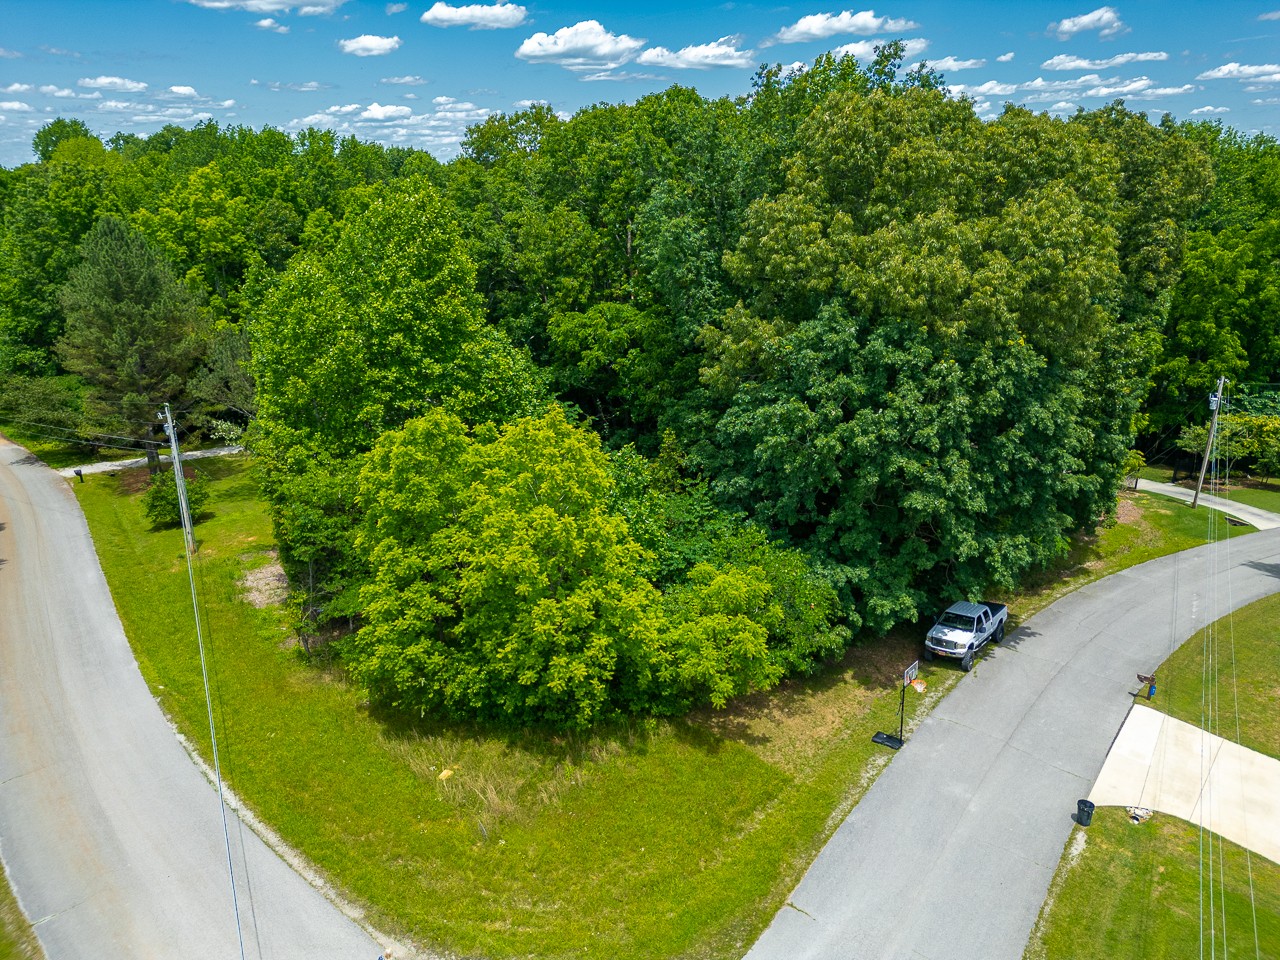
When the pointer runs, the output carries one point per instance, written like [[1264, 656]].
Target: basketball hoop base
[[888, 739]]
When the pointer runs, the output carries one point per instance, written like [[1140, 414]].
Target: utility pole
[[1216, 403], [190, 541], [180, 480]]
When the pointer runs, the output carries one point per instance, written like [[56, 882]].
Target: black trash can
[[1084, 813]]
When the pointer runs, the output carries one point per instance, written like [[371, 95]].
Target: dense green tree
[[133, 332], [50, 210], [504, 587], [56, 132], [908, 392], [351, 342]]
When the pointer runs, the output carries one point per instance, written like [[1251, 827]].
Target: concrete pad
[[1176, 768]]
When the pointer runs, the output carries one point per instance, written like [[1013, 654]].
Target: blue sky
[[418, 73]]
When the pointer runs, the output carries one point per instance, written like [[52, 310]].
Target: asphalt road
[[112, 838], [950, 854]]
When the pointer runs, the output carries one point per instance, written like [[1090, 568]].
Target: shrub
[[160, 501]]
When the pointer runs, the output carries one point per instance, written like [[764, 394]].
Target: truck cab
[[963, 628]]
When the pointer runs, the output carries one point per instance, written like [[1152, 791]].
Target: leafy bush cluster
[[160, 499], [505, 587]]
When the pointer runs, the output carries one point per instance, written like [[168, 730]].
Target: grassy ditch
[[1135, 890], [657, 839]]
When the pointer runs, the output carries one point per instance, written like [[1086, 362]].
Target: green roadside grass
[[57, 453], [1127, 890], [1264, 496], [644, 840], [1134, 891], [17, 940], [1243, 674]]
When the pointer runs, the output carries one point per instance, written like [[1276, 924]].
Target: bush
[[160, 501]]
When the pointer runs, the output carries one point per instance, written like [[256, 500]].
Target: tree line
[[659, 404]]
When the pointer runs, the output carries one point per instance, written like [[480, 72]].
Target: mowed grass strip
[[659, 839], [1263, 495], [1127, 891]]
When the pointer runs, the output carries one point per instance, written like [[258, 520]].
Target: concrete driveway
[[950, 854], [112, 838]]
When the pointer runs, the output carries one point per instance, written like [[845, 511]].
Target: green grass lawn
[[1160, 472], [57, 453], [660, 839], [1255, 493], [17, 942], [1135, 890], [647, 840], [1243, 650]]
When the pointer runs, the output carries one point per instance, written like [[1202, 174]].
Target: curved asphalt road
[[112, 838], [950, 854]]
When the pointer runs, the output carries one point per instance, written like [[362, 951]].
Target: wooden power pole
[[1213, 427]]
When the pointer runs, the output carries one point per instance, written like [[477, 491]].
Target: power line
[[188, 539]]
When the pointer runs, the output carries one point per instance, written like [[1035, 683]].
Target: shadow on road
[[1270, 568]]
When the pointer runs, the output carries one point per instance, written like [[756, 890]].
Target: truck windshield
[[957, 621]]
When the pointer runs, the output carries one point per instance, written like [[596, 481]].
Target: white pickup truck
[[963, 629]]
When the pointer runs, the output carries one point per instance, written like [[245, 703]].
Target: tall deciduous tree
[[936, 301], [350, 343]]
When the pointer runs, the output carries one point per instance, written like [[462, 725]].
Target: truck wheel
[[966, 662], [928, 654], [999, 633]]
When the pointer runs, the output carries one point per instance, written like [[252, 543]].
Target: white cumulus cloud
[[114, 84], [394, 8], [1243, 71], [819, 26], [951, 63], [1199, 110], [50, 90], [1105, 20], [405, 81], [584, 46], [1065, 61], [376, 111], [477, 16], [866, 49], [368, 45], [183, 91], [9, 54], [16, 88], [16, 106], [1005, 57], [1270, 15], [268, 23], [719, 53]]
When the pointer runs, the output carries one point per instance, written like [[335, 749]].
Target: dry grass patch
[[265, 585]]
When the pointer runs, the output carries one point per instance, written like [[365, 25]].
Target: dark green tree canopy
[[133, 331]]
